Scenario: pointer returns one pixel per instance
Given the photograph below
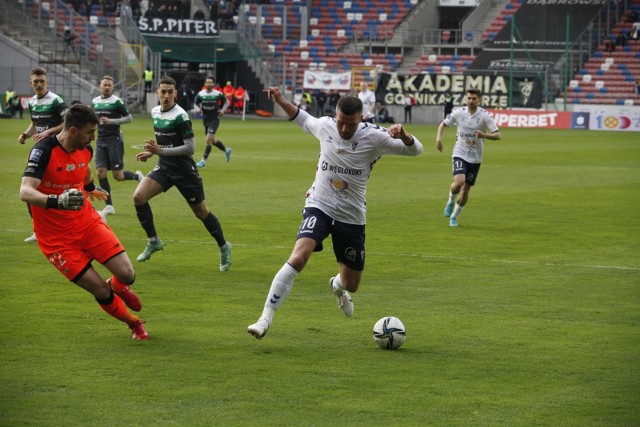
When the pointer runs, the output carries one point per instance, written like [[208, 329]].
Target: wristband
[[90, 187], [52, 202]]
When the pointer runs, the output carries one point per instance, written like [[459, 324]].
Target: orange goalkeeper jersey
[[59, 170]]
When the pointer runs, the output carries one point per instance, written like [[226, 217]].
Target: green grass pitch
[[527, 314]]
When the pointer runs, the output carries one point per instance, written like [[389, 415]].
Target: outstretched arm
[[274, 93]]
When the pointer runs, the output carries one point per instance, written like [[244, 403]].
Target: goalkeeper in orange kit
[[71, 234]]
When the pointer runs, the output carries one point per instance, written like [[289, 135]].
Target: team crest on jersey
[[35, 155]]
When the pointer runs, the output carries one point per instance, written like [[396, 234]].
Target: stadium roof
[[230, 46]]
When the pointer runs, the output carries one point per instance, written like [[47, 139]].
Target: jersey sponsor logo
[[35, 155], [340, 170], [339, 188], [71, 167], [49, 184]]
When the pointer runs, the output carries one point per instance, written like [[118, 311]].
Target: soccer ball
[[389, 333]]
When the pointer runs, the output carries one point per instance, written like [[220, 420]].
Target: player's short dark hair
[[350, 105], [38, 71], [166, 80], [475, 91], [106, 78], [210, 77], [80, 115]]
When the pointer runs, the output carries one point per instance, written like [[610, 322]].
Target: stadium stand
[[332, 26], [609, 76], [501, 20], [442, 64]]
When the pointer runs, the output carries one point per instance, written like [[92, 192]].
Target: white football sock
[[280, 288], [456, 211], [452, 197], [337, 285]]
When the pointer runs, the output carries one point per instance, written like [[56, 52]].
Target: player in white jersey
[[335, 203], [474, 126], [368, 99]]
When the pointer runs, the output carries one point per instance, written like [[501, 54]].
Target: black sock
[[104, 184], [145, 216], [220, 145], [207, 151], [214, 228], [128, 176]]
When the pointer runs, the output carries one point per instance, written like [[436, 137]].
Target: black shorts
[[348, 239], [188, 182], [470, 170], [109, 153], [211, 126]]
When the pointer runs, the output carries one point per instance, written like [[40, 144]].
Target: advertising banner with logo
[[610, 117], [327, 81], [430, 89], [177, 27], [532, 119], [593, 117]]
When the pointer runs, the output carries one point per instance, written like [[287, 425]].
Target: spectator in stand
[[321, 100], [609, 46], [15, 105], [186, 98], [635, 32], [622, 39], [638, 88], [409, 100], [630, 16], [135, 9], [308, 100], [214, 12], [334, 97], [383, 115], [69, 42], [448, 104]]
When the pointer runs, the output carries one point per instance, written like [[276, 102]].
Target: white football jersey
[[368, 99], [344, 166], [468, 147]]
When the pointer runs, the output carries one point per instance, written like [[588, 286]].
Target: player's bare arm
[[151, 146], [397, 131], [495, 136], [27, 133], [274, 93], [49, 132], [441, 128]]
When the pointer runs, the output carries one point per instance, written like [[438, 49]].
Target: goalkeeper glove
[[95, 192], [70, 199]]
